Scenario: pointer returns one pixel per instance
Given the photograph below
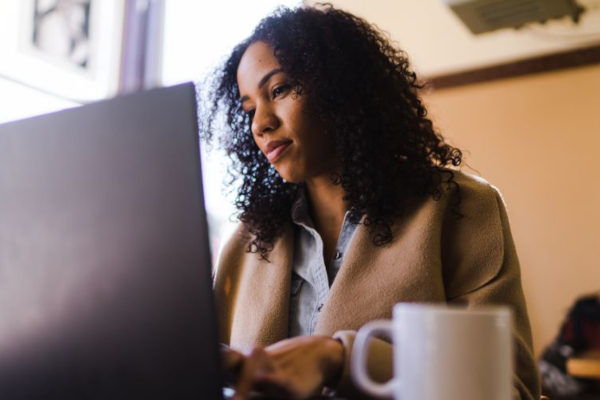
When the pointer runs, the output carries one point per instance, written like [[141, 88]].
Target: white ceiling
[[438, 43]]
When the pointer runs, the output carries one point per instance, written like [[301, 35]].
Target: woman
[[347, 206]]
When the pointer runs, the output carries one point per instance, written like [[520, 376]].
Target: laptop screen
[[105, 275]]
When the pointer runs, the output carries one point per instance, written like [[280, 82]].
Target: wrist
[[334, 361]]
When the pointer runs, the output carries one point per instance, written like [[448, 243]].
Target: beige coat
[[433, 257]]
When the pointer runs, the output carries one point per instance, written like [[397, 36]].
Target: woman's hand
[[295, 368]]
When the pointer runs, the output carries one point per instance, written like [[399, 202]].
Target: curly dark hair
[[363, 90]]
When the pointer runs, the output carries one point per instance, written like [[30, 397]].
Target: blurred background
[[522, 99]]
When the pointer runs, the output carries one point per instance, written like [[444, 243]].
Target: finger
[[257, 362], [273, 385], [231, 358], [232, 362]]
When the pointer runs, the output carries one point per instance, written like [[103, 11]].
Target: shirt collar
[[300, 214]]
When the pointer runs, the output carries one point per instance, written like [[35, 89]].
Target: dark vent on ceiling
[[500, 13], [488, 15]]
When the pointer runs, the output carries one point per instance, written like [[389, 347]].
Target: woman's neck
[[327, 208]]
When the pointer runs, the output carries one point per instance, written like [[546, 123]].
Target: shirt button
[[338, 254]]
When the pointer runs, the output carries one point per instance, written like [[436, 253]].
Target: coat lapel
[[262, 302], [374, 278]]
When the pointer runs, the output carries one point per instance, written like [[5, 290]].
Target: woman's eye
[[279, 90], [250, 114]]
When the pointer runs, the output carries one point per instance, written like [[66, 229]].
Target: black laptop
[[105, 274]]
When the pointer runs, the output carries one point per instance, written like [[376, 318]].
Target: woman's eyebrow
[[268, 75], [263, 80]]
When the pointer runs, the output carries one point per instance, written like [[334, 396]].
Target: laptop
[[105, 268]]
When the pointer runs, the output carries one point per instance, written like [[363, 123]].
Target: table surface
[[585, 365]]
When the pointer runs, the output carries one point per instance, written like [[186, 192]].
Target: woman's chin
[[289, 176]]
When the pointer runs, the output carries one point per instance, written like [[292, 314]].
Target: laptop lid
[[105, 274]]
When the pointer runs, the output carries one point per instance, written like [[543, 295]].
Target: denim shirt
[[311, 279]]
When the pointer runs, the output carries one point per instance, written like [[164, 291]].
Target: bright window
[[19, 101], [197, 37]]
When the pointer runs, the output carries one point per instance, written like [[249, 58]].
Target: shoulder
[[235, 253], [468, 202], [474, 242], [472, 190], [464, 202], [235, 245], [474, 206]]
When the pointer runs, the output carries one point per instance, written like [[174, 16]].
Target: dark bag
[[580, 332]]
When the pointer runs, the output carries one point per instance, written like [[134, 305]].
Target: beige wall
[[538, 139]]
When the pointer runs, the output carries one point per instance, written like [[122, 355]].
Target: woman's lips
[[274, 152]]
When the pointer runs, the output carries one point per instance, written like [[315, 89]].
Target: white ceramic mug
[[441, 352]]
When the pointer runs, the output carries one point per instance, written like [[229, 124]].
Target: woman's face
[[283, 129]]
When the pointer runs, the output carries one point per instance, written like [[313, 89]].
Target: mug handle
[[359, 359]]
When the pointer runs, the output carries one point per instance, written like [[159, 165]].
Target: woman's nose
[[264, 120]]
